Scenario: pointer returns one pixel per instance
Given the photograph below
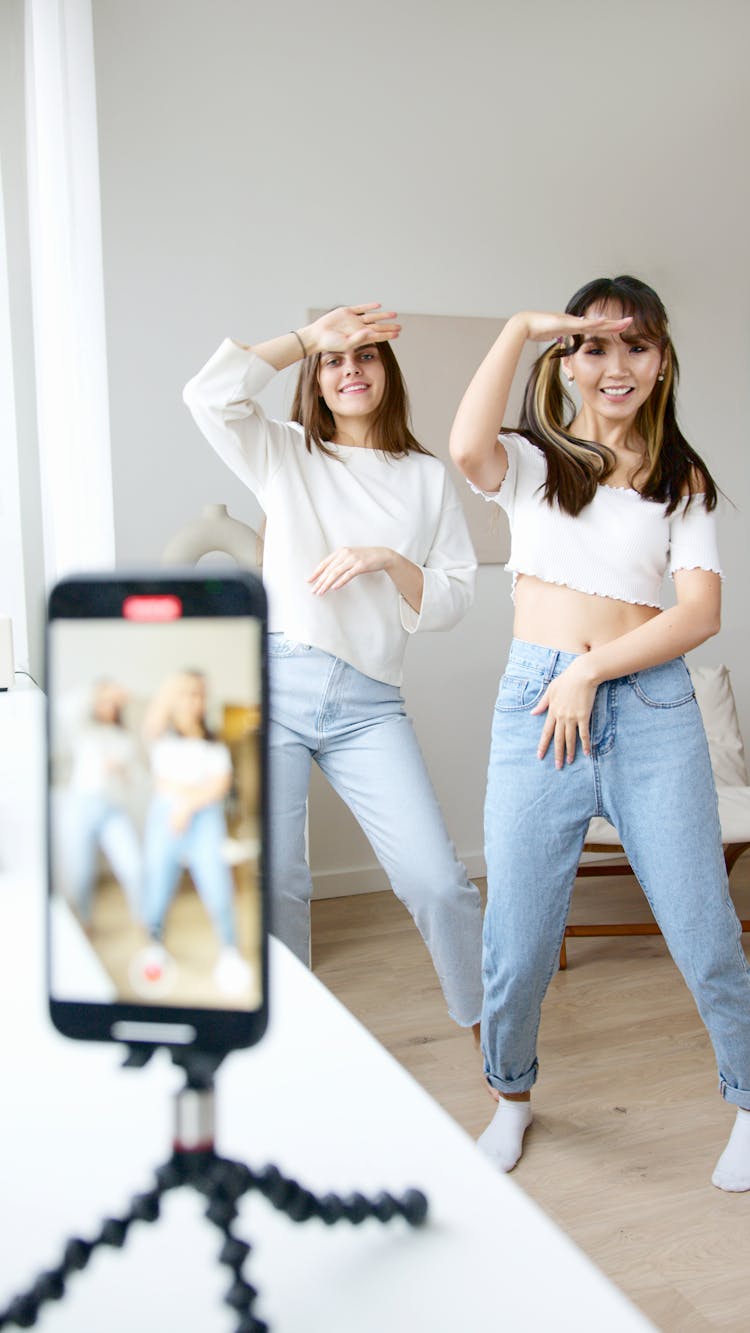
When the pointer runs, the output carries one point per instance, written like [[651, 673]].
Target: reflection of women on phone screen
[[365, 544], [105, 760], [185, 825]]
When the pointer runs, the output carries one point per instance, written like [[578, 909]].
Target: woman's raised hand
[[350, 326], [341, 330], [543, 326]]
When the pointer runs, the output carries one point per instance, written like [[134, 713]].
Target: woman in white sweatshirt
[[365, 543]]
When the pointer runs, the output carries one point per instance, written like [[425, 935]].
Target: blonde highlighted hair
[[575, 467]]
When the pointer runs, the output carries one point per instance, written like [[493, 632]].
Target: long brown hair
[[390, 429], [575, 467]]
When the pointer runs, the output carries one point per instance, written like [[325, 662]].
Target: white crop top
[[620, 545], [189, 761]]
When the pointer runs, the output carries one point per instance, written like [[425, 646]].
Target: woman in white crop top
[[596, 713], [365, 543], [186, 830]]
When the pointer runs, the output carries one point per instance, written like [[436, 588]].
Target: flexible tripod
[[195, 1162]]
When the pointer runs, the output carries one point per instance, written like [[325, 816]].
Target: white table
[[318, 1096]]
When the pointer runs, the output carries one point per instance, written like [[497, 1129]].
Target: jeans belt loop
[[549, 673]]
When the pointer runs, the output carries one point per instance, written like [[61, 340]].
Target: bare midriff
[[573, 622]]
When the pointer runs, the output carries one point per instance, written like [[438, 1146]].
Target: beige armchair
[[603, 854]]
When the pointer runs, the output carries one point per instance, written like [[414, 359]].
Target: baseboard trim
[[371, 879]]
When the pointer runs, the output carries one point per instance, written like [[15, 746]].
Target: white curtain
[[12, 589], [67, 287]]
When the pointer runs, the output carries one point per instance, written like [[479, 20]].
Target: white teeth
[[616, 393], [353, 388]]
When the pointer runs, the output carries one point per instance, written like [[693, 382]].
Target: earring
[[660, 376], [571, 379]]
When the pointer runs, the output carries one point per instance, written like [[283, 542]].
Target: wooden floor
[[628, 1120], [189, 937]]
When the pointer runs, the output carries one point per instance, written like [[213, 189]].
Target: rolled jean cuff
[[737, 1096], [522, 1084], [466, 1022]]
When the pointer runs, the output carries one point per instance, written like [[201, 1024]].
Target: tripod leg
[[300, 1204], [24, 1310], [224, 1182]]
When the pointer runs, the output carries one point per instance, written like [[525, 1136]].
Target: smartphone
[[156, 812]]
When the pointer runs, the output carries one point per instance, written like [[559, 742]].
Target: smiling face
[[615, 373], [108, 703], [352, 383]]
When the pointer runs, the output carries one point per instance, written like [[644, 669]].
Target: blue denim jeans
[[93, 822], [199, 850], [650, 775], [356, 730]]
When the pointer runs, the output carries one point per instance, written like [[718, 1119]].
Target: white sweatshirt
[[314, 504], [105, 762]]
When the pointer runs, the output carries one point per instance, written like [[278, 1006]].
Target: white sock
[[502, 1141], [733, 1167], [231, 973]]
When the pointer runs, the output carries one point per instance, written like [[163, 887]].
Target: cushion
[[713, 691], [734, 813]]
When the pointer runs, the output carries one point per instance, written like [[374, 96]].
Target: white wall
[[142, 656], [465, 158]]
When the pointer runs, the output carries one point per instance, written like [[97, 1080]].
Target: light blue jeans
[[91, 822], [199, 850], [356, 730], [650, 775]]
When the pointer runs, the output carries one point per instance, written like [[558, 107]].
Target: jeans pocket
[[665, 686], [280, 646], [519, 693]]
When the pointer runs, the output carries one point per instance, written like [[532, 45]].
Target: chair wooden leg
[[733, 852], [563, 955]]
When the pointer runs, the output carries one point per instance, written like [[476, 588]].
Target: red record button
[[150, 608]]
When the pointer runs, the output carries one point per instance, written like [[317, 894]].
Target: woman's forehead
[[639, 329]]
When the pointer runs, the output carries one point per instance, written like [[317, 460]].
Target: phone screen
[[156, 808]]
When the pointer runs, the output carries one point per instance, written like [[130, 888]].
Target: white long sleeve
[[221, 399], [314, 504]]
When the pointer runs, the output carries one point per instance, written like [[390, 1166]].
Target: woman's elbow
[[707, 624], [463, 594], [461, 453], [712, 609]]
